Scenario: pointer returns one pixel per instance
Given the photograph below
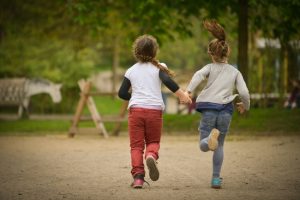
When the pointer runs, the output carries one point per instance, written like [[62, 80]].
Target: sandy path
[[89, 167]]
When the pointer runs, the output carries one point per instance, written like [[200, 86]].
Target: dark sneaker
[[153, 170], [216, 182], [138, 181], [213, 139]]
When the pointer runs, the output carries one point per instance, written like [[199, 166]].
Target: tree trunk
[[116, 62], [1, 33], [243, 39], [260, 73], [285, 71], [293, 71]]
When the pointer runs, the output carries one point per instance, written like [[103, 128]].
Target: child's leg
[[204, 142], [207, 123], [218, 157], [153, 126], [136, 132], [152, 137], [223, 123]]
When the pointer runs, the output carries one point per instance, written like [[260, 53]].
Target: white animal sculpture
[[17, 91]]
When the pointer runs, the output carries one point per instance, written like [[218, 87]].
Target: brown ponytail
[[218, 48], [144, 49], [159, 66]]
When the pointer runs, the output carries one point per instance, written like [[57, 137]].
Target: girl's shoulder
[[224, 67], [227, 66], [130, 69], [164, 65], [232, 68], [136, 65], [212, 65], [140, 67], [207, 66]]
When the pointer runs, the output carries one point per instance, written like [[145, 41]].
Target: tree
[[279, 20], [39, 39], [243, 38], [127, 19]]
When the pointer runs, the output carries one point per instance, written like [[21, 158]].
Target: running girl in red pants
[[146, 105]]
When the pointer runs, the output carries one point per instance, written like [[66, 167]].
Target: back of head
[[145, 48], [218, 48]]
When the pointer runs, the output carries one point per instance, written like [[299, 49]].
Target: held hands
[[184, 97], [241, 107]]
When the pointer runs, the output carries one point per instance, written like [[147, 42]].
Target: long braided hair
[[218, 48], [144, 50]]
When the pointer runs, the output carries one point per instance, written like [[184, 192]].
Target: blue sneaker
[[216, 182]]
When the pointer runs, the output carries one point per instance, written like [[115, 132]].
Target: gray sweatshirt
[[222, 80]]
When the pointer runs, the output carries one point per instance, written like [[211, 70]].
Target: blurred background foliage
[[66, 40]]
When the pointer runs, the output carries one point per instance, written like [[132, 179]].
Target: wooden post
[[86, 99], [93, 110], [83, 98], [122, 114]]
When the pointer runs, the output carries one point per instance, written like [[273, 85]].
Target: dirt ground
[[90, 167]]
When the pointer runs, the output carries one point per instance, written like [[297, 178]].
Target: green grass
[[270, 120], [32, 127], [106, 105], [257, 121]]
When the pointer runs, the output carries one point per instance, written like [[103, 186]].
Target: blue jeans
[[221, 121]]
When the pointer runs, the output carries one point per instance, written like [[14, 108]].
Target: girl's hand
[[190, 94], [241, 107], [183, 96]]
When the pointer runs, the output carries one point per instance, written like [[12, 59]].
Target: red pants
[[144, 128]]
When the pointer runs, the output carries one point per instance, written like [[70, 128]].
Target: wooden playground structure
[[86, 99]]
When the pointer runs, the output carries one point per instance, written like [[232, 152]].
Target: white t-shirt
[[146, 85]]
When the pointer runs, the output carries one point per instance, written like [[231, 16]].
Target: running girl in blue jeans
[[215, 100]]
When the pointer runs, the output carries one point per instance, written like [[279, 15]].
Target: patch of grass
[[268, 120], [28, 127], [180, 123], [257, 122], [106, 105]]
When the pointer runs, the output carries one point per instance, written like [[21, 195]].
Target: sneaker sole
[[213, 139], [153, 170], [216, 186], [137, 187]]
